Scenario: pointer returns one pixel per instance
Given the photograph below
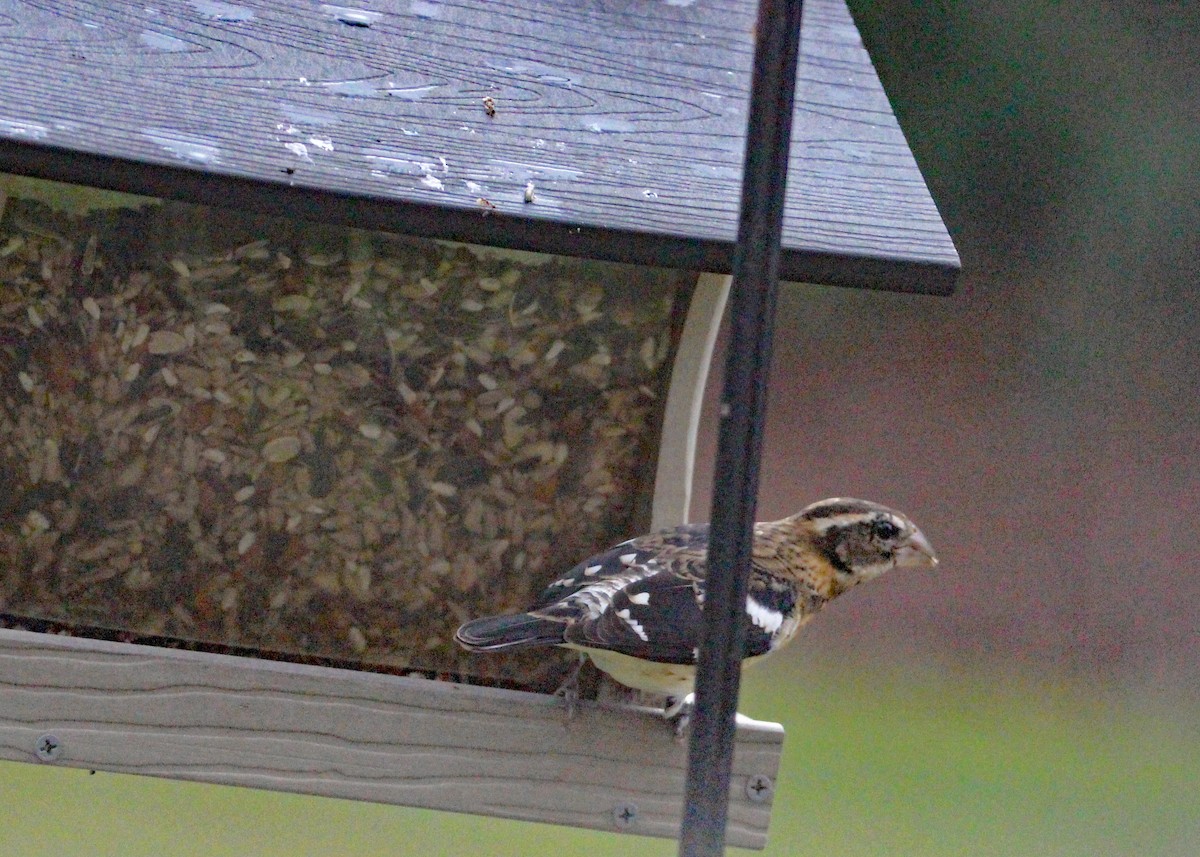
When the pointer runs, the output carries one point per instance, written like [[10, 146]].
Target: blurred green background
[[1039, 693]]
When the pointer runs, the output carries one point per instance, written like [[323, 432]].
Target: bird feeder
[[327, 329]]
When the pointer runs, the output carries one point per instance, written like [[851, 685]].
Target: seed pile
[[336, 443]]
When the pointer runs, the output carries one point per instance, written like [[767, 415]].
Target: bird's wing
[[682, 550], [644, 597], [641, 598]]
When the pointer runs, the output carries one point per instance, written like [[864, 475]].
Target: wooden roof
[[627, 117]]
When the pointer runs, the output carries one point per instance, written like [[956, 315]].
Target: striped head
[[862, 540]]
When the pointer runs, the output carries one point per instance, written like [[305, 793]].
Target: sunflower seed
[[296, 304], [281, 449], [166, 342]]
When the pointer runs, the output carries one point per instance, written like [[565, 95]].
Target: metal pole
[[739, 442]]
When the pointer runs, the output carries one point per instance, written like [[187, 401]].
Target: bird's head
[[862, 540]]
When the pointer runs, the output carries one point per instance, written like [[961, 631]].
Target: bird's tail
[[498, 633]]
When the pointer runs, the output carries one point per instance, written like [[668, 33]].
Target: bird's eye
[[884, 529]]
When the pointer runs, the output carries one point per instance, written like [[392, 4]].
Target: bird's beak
[[916, 553]]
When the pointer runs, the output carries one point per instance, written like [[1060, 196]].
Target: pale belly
[[666, 679]]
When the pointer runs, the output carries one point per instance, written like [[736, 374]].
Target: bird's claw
[[678, 713], [569, 689]]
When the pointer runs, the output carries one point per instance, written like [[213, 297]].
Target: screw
[[759, 788], [625, 815], [48, 748]]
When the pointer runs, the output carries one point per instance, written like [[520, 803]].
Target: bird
[[635, 610]]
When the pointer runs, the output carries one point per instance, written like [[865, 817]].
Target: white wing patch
[[597, 596], [592, 569], [642, 598], [764, 617], [628, 558], [634, 624]]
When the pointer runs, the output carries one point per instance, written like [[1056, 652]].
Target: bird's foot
[[678, 713], [569, 689]]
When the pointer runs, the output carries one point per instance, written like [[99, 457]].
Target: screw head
[[47, 747], [760, 788], [625, 815]]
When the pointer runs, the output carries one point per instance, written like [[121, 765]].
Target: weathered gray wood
[[240, 721], [629, 118]]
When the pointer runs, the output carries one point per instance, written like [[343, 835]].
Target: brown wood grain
[[627, 115], [272, 725]]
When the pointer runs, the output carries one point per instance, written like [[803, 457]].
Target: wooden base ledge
[[340, 733]]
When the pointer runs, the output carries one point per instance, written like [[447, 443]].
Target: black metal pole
[[739, 442]]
